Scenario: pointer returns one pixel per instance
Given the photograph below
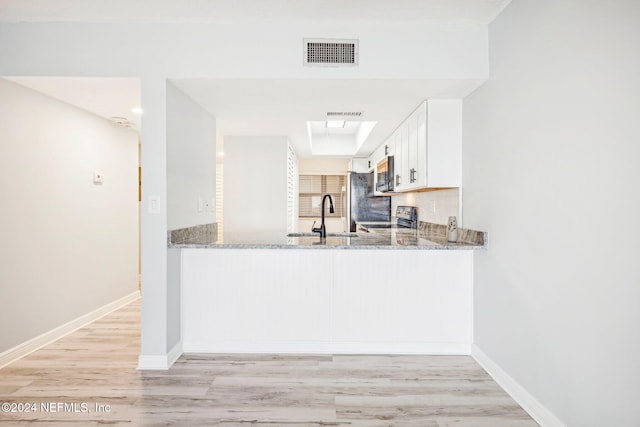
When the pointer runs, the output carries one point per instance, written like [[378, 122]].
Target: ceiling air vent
[[330, 53], [344, 114], [122, 121]]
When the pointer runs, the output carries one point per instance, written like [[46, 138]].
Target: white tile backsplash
[[433, 206]]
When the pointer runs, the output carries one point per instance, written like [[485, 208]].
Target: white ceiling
[[105, 97], [273, 107], [266, 107], [442, 11], [259, 107]]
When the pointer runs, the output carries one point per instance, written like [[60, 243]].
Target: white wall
[[191, 162], [68, 246], [433, 206], [323, 166], [191, 185], [155, 52], [551, 146], [255, 184]]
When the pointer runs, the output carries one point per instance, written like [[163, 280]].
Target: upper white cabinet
[[377, 155], [401, 156], [359, 164], [428, 146], [371, 162], [374, 158], [388, 148]]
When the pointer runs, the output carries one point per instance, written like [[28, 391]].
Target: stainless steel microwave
[[384, 171]]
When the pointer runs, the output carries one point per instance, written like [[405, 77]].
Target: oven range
[[406, 218]]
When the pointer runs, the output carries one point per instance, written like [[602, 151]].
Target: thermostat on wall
[[97, 177]]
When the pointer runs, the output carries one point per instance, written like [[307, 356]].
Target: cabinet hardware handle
[[397, 179], [386, 150], [369, 164]]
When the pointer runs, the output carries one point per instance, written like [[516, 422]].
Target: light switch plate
[[98, 177], [154, 204]]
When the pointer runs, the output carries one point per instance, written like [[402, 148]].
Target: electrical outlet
[[201, 204], [432, 206]]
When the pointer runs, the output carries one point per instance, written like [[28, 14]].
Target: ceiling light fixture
[[335, 124]]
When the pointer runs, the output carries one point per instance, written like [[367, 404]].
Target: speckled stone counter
[[425, 238]]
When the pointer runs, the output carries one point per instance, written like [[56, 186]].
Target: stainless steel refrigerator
[[362, 205]]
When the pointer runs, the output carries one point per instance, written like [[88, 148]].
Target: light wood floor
[[96, 365]]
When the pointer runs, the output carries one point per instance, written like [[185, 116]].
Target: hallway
[[90, 378]]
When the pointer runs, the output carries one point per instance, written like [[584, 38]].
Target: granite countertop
[[425, 238]]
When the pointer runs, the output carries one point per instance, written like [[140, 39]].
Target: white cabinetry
[[428, 147], [412, 155], [388, 148], [400, 162], [359, 164], [371, 162], [377, 155], [374, 158]]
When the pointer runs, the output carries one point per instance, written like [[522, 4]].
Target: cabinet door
[[379, 153], [389, 147], [412, 157], [371, 165], [397, 160], [421, 174], [360, 165], [444, 143], [403, 164]]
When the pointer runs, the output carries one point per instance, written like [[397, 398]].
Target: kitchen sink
[[317, 235]]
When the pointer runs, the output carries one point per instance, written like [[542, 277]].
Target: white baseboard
[[40, 341], [174, 354], [329, 347], [160, 362], [534, 408]]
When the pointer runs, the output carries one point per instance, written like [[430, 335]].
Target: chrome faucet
[[323, 230]]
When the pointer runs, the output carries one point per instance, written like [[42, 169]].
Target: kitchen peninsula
[[383, 291]]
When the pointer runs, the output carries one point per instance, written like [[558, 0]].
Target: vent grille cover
[[344, 114], [330, 53], [122, 121]]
